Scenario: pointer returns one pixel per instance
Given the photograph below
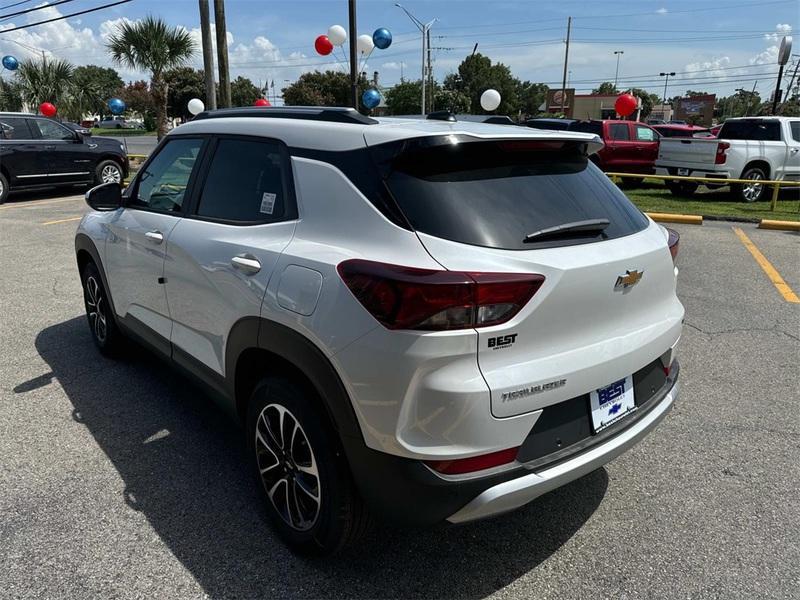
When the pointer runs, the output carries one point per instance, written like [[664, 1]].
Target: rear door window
[[755, 130], [619, 132], [494, 194], [795, 125], [14, 128], [248, 183]]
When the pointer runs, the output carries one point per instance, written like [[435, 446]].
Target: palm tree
[[45, 81], [152, 45]]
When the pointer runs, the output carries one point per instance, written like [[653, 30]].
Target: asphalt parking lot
[[118, 479]]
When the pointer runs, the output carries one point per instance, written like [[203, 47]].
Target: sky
[[711, 45]]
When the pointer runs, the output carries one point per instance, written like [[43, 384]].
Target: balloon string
[[364, 63]]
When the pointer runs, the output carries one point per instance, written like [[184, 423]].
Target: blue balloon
[[382, 38], [116, 106], [10, 63], [371, 98]]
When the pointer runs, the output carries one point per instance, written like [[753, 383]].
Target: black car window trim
[[292, 213], [132, 190]]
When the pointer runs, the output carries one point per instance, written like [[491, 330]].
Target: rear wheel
[[751, 192], [105, 334], [311, 499], [108, 171], [682, 188], [3, 188]]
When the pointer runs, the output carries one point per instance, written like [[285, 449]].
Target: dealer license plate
[[683, 172], [611, 403]]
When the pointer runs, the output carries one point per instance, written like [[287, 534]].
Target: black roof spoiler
[[303, 113]]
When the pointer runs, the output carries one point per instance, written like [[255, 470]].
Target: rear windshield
[[494, 194], [761, 131], [595, 127]]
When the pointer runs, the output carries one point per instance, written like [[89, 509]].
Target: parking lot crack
[[712, 334]]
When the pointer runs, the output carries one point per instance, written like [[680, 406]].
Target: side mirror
[[105, 197]]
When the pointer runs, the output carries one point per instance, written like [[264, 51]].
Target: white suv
[[428, 320]]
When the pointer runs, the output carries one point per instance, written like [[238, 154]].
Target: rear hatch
[[607, 306], [687, 151]]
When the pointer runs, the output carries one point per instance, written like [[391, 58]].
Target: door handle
[[155, 236], [795, 150], [247, 264]]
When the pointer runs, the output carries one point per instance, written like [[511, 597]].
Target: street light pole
[[666, 81], [424, 29], [616, 73]]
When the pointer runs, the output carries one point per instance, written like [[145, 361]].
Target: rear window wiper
[[568, 230]]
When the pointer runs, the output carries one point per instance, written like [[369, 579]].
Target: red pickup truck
[[630, 146]]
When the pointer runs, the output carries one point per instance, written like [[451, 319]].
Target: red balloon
[[261, 102], [626, 104], [48, 109], [323, 45]]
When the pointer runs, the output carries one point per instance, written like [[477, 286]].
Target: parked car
[[680, 130], [629, 146], [111, 122], [753, 148], [431, 321], [37, 152], [77, 128], [677, 122], [656, 122], [549, 123]]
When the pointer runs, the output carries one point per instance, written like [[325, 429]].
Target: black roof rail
[[304, 113], [492, 119], [441, 115]]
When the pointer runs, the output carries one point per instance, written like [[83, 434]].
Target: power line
[[15, 4], [62, 17], [35, 8]]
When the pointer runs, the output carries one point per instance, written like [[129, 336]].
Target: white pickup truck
[[752, 148]]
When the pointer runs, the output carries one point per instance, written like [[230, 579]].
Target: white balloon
[[337, 35], [490, 100], [196, 106], [365, 44]]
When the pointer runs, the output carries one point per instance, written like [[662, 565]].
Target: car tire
[[105, 333], [684, 189], [108, 171], [311, 499], [4, 189], [750, 192]]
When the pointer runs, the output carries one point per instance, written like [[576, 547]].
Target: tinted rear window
[[494, 194], [594, 127], [761, 131]]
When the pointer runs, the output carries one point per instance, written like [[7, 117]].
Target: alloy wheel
[[95, 308], [2, 188], [111, 174], [752, 191], [288, 467]]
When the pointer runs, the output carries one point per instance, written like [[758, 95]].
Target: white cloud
[[781, 29], [662, 11], [391, 66]]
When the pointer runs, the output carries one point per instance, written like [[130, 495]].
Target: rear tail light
[[460, 466], [722, 154], [409, 298], [673, 242]]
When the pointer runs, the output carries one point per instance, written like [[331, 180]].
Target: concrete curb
[[671, 218], [782, 225]]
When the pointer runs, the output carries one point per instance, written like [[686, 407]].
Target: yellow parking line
[[62, 220], [36, 203], [775, 277]]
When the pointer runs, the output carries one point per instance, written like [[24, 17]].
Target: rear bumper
[[406, 491], [516, 492], [693, 172]]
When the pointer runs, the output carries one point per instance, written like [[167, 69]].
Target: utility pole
[[222, 54], [424, 29], [794, 76], [616, 73], [566, 61], [353, 54], [430, 72], [208, 55], [666, 81]]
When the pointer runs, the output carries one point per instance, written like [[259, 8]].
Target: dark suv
[[37, 152]]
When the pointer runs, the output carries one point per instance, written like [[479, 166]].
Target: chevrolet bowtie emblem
[[630, 279]]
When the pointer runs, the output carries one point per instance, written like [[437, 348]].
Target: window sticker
[[267, 203]]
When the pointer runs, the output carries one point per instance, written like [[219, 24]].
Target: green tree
[[328, 88], [476, 74], [648, 101], [10, 96], [404, 98], [531, 97], [605, 89], [692, 94], [152, 45], [45, 81], [97, 86], [244, 92], [139, 99], [185, 83]]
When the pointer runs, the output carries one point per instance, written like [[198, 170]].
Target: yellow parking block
[[783, 225], [673, 218], [775, 277]]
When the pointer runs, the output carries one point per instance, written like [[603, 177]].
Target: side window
[[795, 130], [645, 134], [14, 128], [247, 182], [162, 185], [50, 130], [619, 131]]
